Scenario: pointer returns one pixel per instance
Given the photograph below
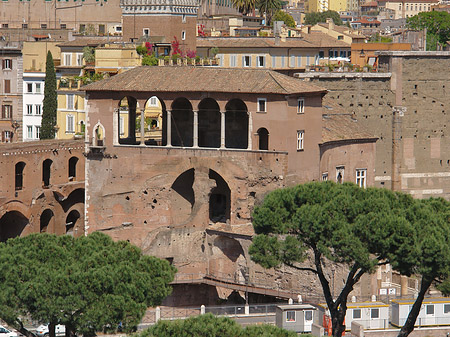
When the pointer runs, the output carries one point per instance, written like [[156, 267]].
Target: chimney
[[330, 23]]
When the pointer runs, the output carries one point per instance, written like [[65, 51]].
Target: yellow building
[[71, 109], [115, 58], [342, 33], [326, 5]]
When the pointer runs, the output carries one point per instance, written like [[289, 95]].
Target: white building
[[33, 96]]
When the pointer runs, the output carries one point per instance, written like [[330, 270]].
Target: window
[[6, 111], [69, 99], [46, 171], [38, 132], [121, 131], [292, 61], [183, 18], [340, 37], [299, 61], [247, 61], [261, 60], [82, 28], [446, 308], [20, 166], [325, 176], [340, 174], [183, 35], [301, 106], [67, 59], [290, 316], [283, 61], [7, 136], [274, 62], [146, 32], [262, 104], [79, 59], [73, 167], [430, 309], [29, 87], [7, 87], [7, 64], [29, 132], [233, 61], [118, 29], [29, 109], [374, 313], [69, 124], [101, 28], [361, 177], [307, 60], [38, 88], [300, 140], [38, 108], [356, 313], [63, 26], [4, 25], [153, 101], [308, 315], [43, 26]]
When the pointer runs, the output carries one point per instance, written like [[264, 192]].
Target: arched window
[[182, 133], [263, 139], [20, 166], [46, 172], [219, 199], [73, 168], [236, 125], [209, 123], [71, 221], [46, 217]]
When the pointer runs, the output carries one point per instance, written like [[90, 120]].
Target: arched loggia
[[182, 123], [236, 124], [209, 123]]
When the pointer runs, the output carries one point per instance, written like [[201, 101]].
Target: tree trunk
[[408, 327], [51, 329]]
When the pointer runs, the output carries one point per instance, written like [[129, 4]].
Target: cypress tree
[[50, 100]]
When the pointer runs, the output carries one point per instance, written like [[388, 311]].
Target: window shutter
[[3, 64]]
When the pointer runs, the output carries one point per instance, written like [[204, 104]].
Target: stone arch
[[12, 224], [72, 172], [18, 175], [46, 172], [209, 121], [182, 123], [263, 139], [128, 111], [98, 134], [236, 124], [219, 199], [46, 221], [75, 197], [155, 121], [183, 200], [72, 220]]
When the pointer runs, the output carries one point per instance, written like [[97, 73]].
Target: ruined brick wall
[[27, 203]]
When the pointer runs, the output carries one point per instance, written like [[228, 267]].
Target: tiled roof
[[340, 125], [89, 41], [312, 40], [342, 29], [203, 79]]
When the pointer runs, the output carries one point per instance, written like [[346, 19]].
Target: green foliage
[[150, 60], [268, 7], [316, 17], [437, 25], [89, 284], [379, 38], [89, 77], [211, 326], [214, 51], [141, 50], [285, 17], [89, 54], [50, 102], [244, 6]]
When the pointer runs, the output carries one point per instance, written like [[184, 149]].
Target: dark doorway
[[71, 221], [12, 225], [127, 120], [219, 200], [46, 217], [263, 139], [46, 172], [182, 130], [236, 125], [73, 168], [209, 123]]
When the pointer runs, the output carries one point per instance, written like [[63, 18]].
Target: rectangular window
[[38, 132], [79, 59], [5, 25], [374, 313], [261, 61], [101, 28], [121, 132], [299, 61], [43, 26], [69, 124], [7, 87], [183, 18], [7, 64], [38, 88], [325, 176], [246, 61], [146, 32], [356, 313], [446, 308], [308, 315], [307, 60], [340, 174], [69, 99], [262, 104], [82, 28], [300, 140], [6, 111], [290, 316], [283, 61], [29, 109], [233, 61], [361, 177], [153, 101], [274, 61], [29, 132], [63, 26], [430, 309], [67, 59], [292, 61], [7, 136], [321, 54], [183, 35], [38, 108], [301, 106], [29, 87]]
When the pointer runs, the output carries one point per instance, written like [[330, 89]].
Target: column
[[195, 128], [250, 129], [142, 126], [222, 129], [116, 126], [169, 128]]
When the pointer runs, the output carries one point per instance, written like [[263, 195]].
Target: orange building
[[364, 53]]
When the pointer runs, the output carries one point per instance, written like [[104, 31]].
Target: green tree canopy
[[244, 6], [317, 17], [50, 102], [211, 326], [285, 17], [89, 284], [437, 25], [345, 224], [269, 7]]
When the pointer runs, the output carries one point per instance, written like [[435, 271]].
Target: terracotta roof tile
[[203, 79]]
